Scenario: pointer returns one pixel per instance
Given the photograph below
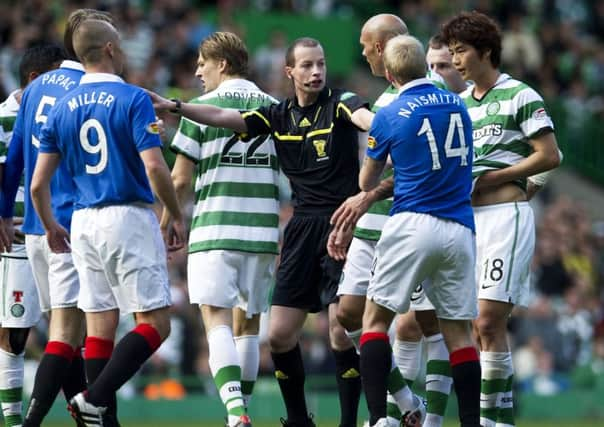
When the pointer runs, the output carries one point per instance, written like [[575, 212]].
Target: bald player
[[105, 135]]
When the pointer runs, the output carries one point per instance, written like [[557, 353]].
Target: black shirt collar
[[323, 96]]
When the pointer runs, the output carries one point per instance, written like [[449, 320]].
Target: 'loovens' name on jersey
[[429, 99], [492, 129], [102, 98], [59, 79]]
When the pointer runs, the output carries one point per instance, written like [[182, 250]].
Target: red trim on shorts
[[60, 349], [150, 334], [98, 348], [371, 336], [463, 355]]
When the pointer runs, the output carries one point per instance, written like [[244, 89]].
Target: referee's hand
[[338, 242]]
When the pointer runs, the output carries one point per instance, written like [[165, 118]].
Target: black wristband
[[177, 107]]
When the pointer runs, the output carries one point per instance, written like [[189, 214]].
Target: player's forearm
[[214, 116], [161, 183], [384, 190], [40, 196], [369, 177], [534, 164]]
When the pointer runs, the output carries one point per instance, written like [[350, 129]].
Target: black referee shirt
[[317, 147]]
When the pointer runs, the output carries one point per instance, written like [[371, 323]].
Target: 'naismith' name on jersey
[[102, 98], [429, 99]]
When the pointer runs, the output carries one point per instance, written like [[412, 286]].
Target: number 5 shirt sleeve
[[379, 140], [48, 140], [145, 130]]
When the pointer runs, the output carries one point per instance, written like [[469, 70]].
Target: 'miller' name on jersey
[[59, 79], [429, 99], [103, 98]]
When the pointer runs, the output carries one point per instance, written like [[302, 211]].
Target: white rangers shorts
[[55, 275], [505, 242], [227, 278], [121, 259], [357, 273], [20, 305], [421, 248]]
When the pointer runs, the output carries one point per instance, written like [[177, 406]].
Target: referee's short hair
[[405, 59], [290, 58], [223, 45]]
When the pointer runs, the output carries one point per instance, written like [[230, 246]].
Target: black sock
[[98, 352], [75, 380], [465, 370], [128, 356], [289, 370], [376, 361], [349, 385], [49, 377]]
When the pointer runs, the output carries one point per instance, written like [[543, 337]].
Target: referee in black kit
[[315, 134]]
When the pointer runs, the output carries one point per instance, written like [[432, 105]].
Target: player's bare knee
[[244, 326], [490, 327], [159, 319], [281, 339], [407, 328], [349, 318], [428, 322]]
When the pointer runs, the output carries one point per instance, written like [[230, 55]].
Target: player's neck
[[484, 81], [305, 98]]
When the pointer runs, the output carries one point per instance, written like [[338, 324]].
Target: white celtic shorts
[[505, 242], [20, 306], [121, 259], [228, 279], [55, 275], [357, 269], [420, 248]]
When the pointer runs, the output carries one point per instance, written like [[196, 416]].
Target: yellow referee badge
[[371, 142]]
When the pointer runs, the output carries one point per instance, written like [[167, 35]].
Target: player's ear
[[288, 71]]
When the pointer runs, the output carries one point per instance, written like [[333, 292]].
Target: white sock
[[495, 366], [11, 383], [408, 355], [248, 349], [225, 368]]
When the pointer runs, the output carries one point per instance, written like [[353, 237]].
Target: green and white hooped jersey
[[369, 226], [236, 187], [8, 114], [503, 121]]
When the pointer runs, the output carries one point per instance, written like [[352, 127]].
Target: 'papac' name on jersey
[[58, 79], [429, 99], [102, 98]]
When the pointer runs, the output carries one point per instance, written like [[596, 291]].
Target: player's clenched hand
[[351, 210], [159, 102], [58, 239], [6, 237], [338, 241], [175, 235]]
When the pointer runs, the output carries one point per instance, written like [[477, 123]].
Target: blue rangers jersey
[[99, 129], [428, 134]]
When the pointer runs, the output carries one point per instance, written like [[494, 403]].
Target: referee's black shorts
[[307, 277]]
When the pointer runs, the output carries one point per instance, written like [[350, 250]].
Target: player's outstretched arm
[[57, 236], [206, 114], [362, 118], [161, 183]]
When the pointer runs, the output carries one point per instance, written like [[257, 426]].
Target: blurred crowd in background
[[555, 45]]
